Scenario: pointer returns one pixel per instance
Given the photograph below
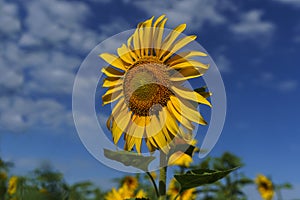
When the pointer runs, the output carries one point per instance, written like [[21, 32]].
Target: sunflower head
[[265, 187], [145, 79], [12, 185], [131, 182]]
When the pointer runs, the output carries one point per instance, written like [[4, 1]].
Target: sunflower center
[[145, 86]]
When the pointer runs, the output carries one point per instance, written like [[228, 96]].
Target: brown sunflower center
[[145, 86]]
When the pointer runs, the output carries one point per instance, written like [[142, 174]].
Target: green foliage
[[130, 158], [199, 177], [231, 187], [46, 183]]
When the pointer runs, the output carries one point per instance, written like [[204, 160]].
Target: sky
[[254, 43]]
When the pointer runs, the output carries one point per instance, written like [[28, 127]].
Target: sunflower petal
[[136, 43], [171, 123], [153, 127], [123, 118], [187, 111], [119, 106], [189, 63], [124, 54], [161, 142], [159, 31], [178, 45], [147, 35], [109, 122], [138, 144], [169, 137], [116, 132], [113, 60], [129, 142], [190, 95], [111, 72], [182, 120], [137, 127], [170, 39], [130, 48], [186, 73], [183, 56], [158, 20], [112, 82], [113, 89], [150, 146], [108, 98]]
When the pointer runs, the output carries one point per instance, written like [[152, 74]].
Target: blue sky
[[255, 44]]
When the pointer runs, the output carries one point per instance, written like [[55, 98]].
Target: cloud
[[252, 25], [290, 2], [193, 12], [40, 55], [9, 19], [19, 113], [297, 39], [288, 85], [223, 63], [269, 80]]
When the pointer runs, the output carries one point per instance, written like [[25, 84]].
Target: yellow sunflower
[[131, 182], [265, 187], [146, 81], [174, 189], [12, 185]]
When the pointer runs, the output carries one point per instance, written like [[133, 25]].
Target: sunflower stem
[[162, 175], [154, 184]]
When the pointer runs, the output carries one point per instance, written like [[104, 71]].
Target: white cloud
[[297, 39], [223, 63], [269, 80], [20, 113], [252, 25], [59, 24], [9, 20], [291, 2], [288, 85], [40, 61], [193, 12]]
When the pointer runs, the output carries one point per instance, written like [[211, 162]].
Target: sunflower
[[174, 189], [12, 185], [265, 187], [145, 79], [131, 182]]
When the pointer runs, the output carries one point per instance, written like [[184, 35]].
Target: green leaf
[[129, 158], [285, 186], [199, 177]]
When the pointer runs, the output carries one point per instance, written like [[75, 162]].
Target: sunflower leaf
[[129, 158], [199, 177]]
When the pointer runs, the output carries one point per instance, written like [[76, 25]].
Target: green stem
[[162, 176], [279, 194], [154, 184]]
